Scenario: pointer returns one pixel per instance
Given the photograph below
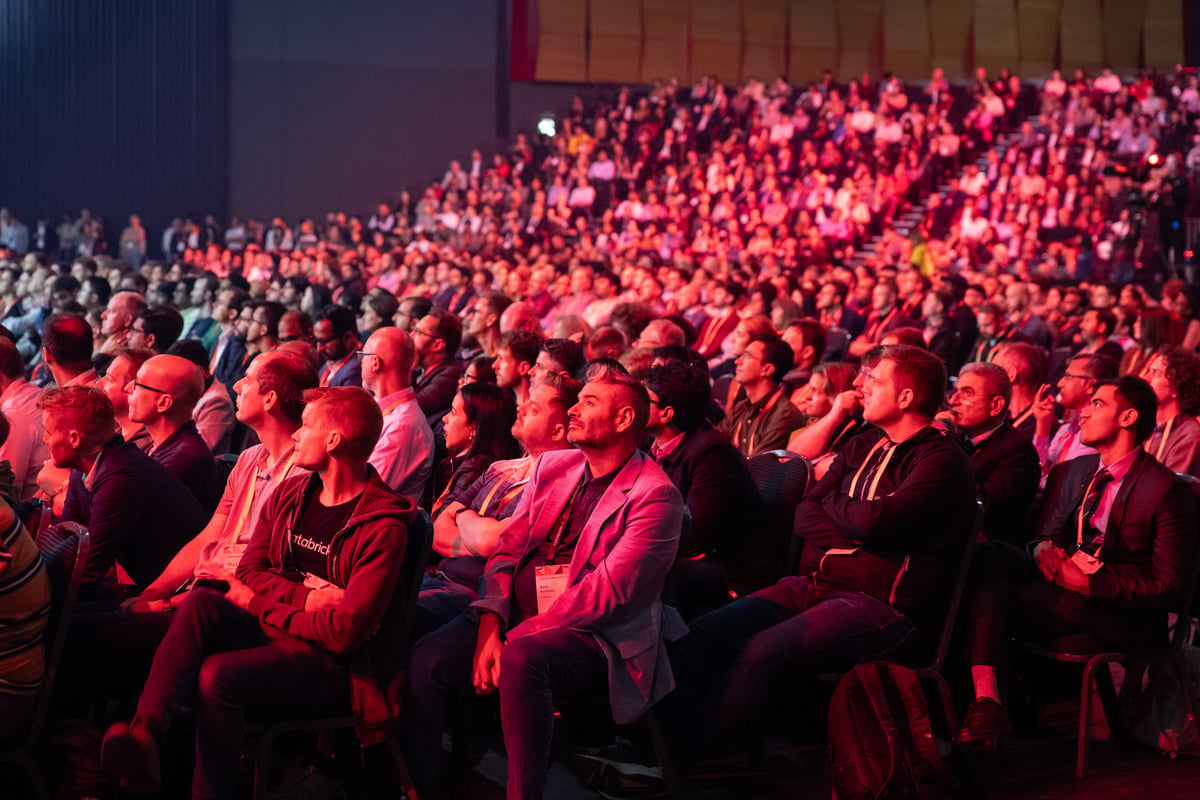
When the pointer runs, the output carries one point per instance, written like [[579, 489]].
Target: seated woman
[[24, 608], [478, 431], [816, 441]]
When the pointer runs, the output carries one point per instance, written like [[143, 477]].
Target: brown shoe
[[130, 753], [986, 722]]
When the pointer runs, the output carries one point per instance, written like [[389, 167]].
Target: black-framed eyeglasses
[[363, 353], [135, 383], [325, 340], [1077, 377], [424, 333]]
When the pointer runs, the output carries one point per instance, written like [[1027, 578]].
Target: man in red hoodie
[[313, 622]]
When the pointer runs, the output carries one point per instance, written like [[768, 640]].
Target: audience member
[[214, 413], [156, 328], [314, 623], [1174, 375], [478, 431], [403, 457], [1115, 548], [764, 418], [336, 334], [516, 354], [24, 448], [437, 335]]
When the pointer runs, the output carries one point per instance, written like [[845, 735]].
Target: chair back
[[65, 570], [1188, 610], [960, 583], [420, 536], [837, 344], [685, 538], [782, 478]]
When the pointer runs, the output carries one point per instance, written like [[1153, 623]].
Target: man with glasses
[[403, 456], [411, 311], [764, 419], [436, 337], [335, 331], [162, 397], [1006, 463], [1075, 388], [156, 328], [137, 513]]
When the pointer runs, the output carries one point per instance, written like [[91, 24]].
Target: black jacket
[[908, 540], [1007, 471], [187, 457], [725, 505], [1149, 544], [137, 513]]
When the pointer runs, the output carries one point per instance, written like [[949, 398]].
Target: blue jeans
[[730, 665]]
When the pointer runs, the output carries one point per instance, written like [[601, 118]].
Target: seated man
[[23, 449], [313, 623], [138, 513], [1006, 463], [1116, 546], [727, 555], [885, 529], [335, 331], [558, 355], [437, 336], [516, 353], [404, 454], [1025, 364], [162, 397], [1075, 389], [466, 532], [214, 413], [764, 419], [1174, 375], [571, 600]]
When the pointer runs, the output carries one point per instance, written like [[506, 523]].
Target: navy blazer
[[137, 513], [350, 373]]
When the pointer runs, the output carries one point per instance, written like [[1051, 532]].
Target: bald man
[[520, 316], [404, 454], [162, 397]]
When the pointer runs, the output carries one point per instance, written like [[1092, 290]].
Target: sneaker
[[986, 721], [623, 757], [130, 753], [612, 785]]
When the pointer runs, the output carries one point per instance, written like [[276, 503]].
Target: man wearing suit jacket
[[1116, 549], [1006, 464], [728, 555], [138, 514], [336, 332], [571, 601]]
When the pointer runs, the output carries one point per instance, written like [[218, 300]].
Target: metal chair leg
[[664, 758], [1085, 720]]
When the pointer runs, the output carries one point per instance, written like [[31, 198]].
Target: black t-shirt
[[315, 529]]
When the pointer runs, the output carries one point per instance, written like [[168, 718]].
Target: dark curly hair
[[1183, 372]]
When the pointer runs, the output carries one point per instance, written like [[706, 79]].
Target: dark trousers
[[439, 672], [1011, 598], [108, 656], [734, 660], [218, 656], [533, 671]]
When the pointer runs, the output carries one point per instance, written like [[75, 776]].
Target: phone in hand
[[211, 583]]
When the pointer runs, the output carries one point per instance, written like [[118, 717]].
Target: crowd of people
[[560, 354]]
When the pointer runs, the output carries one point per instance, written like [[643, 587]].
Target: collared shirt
[[404, 453], [85, 378], [1065, 446], [762, 426], [24, 449], [496, 493], [1118, 470], [975, 441], [253, 479], [661, 452]]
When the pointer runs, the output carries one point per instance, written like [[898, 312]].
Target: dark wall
[[337, 106], [117, 105]]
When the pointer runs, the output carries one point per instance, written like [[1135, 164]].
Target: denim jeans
[[219, 657], [733, 661]]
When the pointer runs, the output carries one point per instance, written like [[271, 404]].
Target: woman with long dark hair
[[1154, 329], [478, 431]]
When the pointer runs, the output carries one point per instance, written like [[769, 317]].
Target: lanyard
[[333, 368], [1026, 414], [564, 518], [244, 514], [1162, 443], [887, 456], [877, 329], [513, 491], [757, 423]]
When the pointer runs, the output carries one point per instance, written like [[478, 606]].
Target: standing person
[[404, 454], [133, 242], [313, 622]]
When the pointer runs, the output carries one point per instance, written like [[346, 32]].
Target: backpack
[[1163, 715], [881, 743]]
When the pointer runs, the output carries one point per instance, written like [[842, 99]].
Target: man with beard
[[336, 333]]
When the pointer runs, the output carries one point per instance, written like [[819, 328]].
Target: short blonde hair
[[85, 409], [353, 412]]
